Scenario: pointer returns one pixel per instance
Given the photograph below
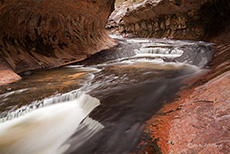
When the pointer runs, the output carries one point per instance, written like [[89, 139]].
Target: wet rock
[[27, 73], [202, 123]]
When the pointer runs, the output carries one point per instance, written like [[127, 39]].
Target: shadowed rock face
[[177, 19], [48, 33]]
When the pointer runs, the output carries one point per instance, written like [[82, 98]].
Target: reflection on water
[[47, 112]]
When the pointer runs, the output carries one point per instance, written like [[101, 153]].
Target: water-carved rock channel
[[101, 104]]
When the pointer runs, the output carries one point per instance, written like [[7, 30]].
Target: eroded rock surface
[[199, 122], [50, 33], [7, 75], [115, 22], [177, 19]]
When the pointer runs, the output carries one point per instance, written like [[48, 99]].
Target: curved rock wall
[[177, 19], [38, 34]]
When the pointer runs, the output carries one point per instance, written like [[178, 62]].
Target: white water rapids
[[45, 130]]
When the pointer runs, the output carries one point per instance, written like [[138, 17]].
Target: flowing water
[[101, 104]]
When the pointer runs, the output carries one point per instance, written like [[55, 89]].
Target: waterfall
[[159, 52], [46, 129], [70, 96]]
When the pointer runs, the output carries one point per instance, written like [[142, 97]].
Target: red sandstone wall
[[176, 19], [38, 34]]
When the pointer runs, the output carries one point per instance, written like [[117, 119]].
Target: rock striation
[[49, 33], [115, 22], [176, 19]]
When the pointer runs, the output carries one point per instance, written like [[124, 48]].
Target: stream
[[99, 105]]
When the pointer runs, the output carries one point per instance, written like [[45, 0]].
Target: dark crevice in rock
[[214, 16], [39, 46]]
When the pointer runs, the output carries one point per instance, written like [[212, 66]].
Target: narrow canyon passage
[[101, 104]]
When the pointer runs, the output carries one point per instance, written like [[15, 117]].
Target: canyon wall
[[175, 19], [38, 34]]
